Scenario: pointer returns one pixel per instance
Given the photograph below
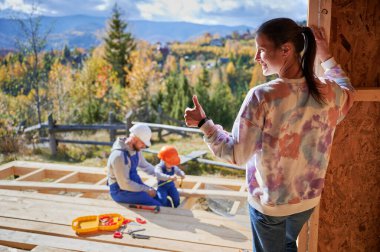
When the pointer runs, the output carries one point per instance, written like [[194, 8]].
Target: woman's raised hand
[[323, 52], [194, 115]]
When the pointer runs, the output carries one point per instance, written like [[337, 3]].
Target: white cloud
[[227, 12], [21, 6], [104, 5], [232, 12]]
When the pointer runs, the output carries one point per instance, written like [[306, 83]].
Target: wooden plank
[[69, 178], [223, 164], [9, 249], [90, 203], [50, 211], [367, 94], [103, 181], [79, 127], [24, 185], [189, 202], [7, 165], [5, 173], [36, 175], [236, 204], [169, 127], [36, 200], [181, 228], [52, 230], [36, 127], [31, 240], [50, 249], [193, 155]]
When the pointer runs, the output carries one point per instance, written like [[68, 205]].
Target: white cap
[[143, 132]]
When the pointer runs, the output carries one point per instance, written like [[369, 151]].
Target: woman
[[283, 132]]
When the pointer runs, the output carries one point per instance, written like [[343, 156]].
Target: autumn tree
[[119, 46], [33, 42]]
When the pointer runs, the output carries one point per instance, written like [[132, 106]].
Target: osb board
[[350, 206], [355, 39]]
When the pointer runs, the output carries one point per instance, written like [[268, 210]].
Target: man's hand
[[194, 115], [173, 178], [152, 193], [323, 52]]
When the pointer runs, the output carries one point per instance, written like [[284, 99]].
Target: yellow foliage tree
[[257, 76], [59, 84]]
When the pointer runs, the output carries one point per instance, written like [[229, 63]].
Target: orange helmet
[[170, 155]]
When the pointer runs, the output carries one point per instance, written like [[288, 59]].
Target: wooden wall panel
[[350, 206], [355, 39]]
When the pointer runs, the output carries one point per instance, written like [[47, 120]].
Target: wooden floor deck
[[30, 219], [41, 221]]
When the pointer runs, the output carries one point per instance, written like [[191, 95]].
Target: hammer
[[155, 209]]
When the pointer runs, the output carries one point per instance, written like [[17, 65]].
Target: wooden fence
[[114, 129]]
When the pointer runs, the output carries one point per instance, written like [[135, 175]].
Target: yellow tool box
[[95, 223]]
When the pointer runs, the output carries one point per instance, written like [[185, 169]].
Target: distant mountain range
[[87, 31]]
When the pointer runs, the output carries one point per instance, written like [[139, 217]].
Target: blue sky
[[226, 12]]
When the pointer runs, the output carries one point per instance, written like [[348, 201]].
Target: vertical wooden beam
[[303, 238], [111, 120], [313, 230], [52, 139], [319, 14]]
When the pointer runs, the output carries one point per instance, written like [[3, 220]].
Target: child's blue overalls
[[168, 189], [129, 197]]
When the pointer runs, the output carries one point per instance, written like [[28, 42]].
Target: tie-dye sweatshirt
[[283, 137]]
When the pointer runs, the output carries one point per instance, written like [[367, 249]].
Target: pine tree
[[222, 106], [178, 96], [202, 89], [119, 45]]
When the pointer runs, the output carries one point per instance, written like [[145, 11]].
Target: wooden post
[[128, 121], [111, 120], [159, 122], [52, 140]]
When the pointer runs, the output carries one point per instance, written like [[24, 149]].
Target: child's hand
[[173, 178], [183, 177], [152, 193]]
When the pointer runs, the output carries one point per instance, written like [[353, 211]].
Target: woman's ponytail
[[307, 63]]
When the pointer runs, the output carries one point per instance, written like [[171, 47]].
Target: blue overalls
[[123, 196], [168, 189]]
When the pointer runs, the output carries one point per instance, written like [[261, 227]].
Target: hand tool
[[155, 209]]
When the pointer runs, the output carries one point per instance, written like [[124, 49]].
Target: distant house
[[247, 35], [216, 42], [224, 60], [163, 49]]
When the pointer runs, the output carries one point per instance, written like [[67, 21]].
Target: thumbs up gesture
[[194, 115]]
